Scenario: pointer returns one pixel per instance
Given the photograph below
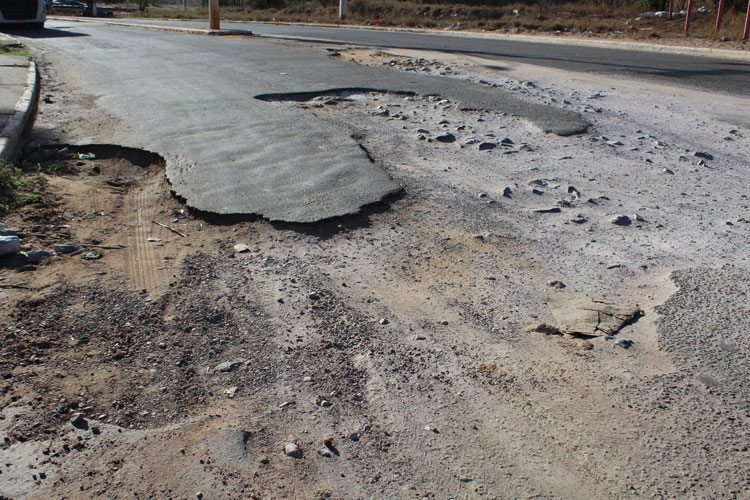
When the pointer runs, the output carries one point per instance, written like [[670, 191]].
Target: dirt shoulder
[[391, 347]]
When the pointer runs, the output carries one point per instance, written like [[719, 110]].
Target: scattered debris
[[92, 255], [241, 248], [175, 231]]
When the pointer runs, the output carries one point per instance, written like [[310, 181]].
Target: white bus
[[30, 12]]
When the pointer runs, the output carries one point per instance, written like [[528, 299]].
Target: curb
[[22, 117], [156, 27]]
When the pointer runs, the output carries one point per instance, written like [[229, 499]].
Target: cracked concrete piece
[[577, 313], [195, 101]]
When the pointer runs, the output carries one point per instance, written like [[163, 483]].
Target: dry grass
[[583, 18]]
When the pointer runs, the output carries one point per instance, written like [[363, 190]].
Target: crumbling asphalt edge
[[24, 114], [156, 27]]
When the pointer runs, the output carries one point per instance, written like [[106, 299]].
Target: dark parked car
[[68, 4], [100, 12]]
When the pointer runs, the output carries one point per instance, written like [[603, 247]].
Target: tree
[[142, 4]]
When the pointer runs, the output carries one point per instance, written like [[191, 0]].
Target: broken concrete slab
[[230, 151], [577, 313]]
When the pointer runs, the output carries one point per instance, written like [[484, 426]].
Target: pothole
[[352, 93]]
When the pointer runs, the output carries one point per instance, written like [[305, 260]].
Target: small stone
[[621, 220], [579, 219], [199, 495], [292, 450], [586, 345], [153, 240], [383, 321], [574, 193], [36, 256], [313, 296], [446, 138], [544, 328], [555, 210], [328, 442], [486, 146], [231, 392], [325, 453], [307, 379], [241, 248], [5, 230], [668, 171], [556, 284], [705, 156], [67, 247], [507, 141], [354, 436], [227, 366], [79, 421], [507, 192], [625, 344]]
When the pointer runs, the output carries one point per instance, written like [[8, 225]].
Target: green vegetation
[[15, 50], [16, 187]]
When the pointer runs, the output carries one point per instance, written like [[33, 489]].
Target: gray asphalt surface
[[192, 99], [705, 73]]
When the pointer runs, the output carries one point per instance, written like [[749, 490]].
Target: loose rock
[[292, 450], [446, 138], [9, 245], [227, 366], [621, 220]]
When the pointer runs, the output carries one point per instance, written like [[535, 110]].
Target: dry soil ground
[[390, 346]]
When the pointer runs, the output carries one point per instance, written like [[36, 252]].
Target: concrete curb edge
[[24, 113]]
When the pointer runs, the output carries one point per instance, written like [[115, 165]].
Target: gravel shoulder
[[390, 346]]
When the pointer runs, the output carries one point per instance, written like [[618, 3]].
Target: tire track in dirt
[[144, 256]]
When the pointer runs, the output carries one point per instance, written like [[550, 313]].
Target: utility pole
[[184, 4], [687, 15], [342, 9], [93, 7], [213, 15]]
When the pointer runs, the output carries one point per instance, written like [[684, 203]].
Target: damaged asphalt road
[[193, 100]]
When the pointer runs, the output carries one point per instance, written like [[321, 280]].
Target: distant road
[[731, 77]]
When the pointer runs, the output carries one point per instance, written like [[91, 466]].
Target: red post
[[719, 15], [687, 15], [213, 15], [671, 9], [747, 22]]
